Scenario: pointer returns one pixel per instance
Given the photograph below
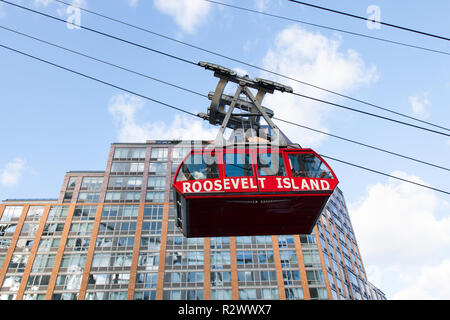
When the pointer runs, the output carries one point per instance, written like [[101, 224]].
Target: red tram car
[[251, 191]]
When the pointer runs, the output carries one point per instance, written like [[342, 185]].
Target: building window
[[247, 294], [270, 293], [43, 263], [117, 227], [153, 212], [89, 197], [127, 167], [159, 154], [110, 279], [85, 212], [318, 293], [268, 275], [221, 294], [146, 280], [36, 281], [155, 196], [68, 196], [129, 196], [311, 259], [285, 241], [179, 153], [18, 262], [78, 244], [158, 168], [145, 295], [81, 229], [72, 182], [69, 282], [244, 257], [112, 260], [293, 293], [114, 243], [34, 296], [220, 258], [156, 183], [184, 258], [125, 182], [120, 211], [288, 257], [58, 213], [92, 183], [150, 243], [129, 153], [48, 244], [148, 261], [11, 213], [35, 213], [151, 227], [11, 283], [106, 295], [65, 296], [51, 229], [74, 262], [289, 276], [220, 278]]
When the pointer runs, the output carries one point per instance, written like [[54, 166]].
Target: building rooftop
[[39, 200]]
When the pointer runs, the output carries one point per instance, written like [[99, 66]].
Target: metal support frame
[[252, 110]]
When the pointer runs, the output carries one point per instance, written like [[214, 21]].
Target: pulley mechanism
[[245, 124]]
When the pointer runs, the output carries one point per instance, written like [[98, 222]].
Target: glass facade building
[[111, 235]]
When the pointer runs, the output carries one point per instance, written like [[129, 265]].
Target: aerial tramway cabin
[[248, 191], [255, 183]]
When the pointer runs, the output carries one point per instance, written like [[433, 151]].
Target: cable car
[[251, 192], [257, 182]]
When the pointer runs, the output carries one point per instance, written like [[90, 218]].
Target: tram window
[[238, 165], [195, 168], [271, 164], [308, 166]]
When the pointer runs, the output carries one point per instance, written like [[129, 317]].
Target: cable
[[98, 80], [188, 112], [384, 174], [368, 113], [103, 61], [193, 63], [102, 33], [321, 26], [254, 66], [206, 96], [363, 144], [367, 19]]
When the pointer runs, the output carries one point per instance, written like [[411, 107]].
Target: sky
[[52, 121]]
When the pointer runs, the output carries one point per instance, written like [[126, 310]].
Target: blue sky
[[53, 121]]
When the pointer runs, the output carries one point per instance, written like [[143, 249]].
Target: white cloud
[[11, 173], [420, 105], [240, 72], [188, 14], [401, 239], [261, 5], [432, 282], [44, 3], [311, 57], [250, 45], [133, 3], [125, 108]]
